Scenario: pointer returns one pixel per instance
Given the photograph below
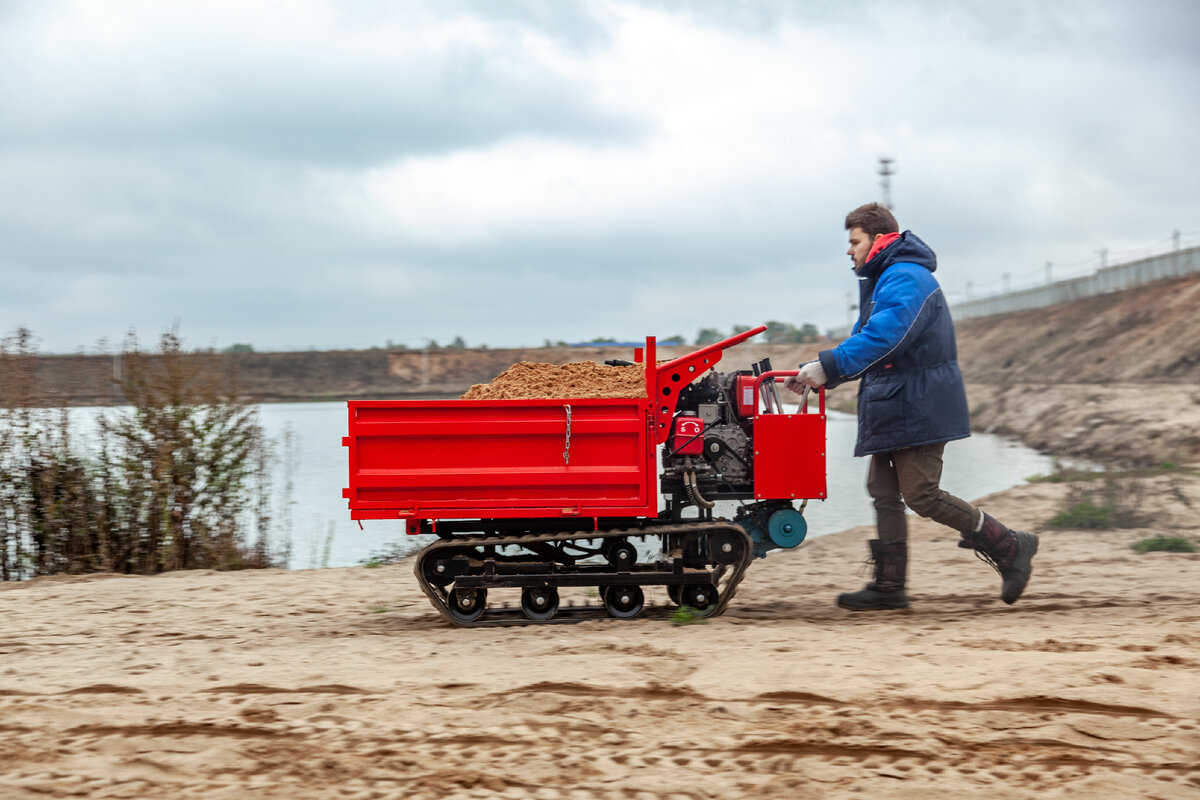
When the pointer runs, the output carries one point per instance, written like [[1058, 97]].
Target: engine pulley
[[787, 527], [772, 525]]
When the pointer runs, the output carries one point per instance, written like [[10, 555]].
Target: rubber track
[[496, 617]]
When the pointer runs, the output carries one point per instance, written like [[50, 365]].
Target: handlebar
[[787, 373]]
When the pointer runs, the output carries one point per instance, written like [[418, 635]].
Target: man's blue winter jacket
[[903, 349]]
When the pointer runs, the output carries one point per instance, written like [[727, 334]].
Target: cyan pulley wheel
[[787, 527]]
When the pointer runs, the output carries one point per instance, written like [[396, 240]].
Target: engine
[[709, 454]]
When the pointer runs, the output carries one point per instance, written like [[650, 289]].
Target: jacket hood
[[908, 248]]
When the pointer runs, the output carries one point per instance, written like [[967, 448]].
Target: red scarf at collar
[[883, 240]]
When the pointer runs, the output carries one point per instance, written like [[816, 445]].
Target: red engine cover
[[746, 396]]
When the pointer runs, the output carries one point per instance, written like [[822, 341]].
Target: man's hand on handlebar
[[811, 375]]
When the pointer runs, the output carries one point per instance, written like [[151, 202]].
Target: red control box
[[689, 436]]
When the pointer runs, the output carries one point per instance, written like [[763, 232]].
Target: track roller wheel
[[724, 548], [437, 573], [621, 555], [467, 605], [623, 602], [700, 596], [539, 602]]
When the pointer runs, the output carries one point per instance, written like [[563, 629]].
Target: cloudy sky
[[344, 174]]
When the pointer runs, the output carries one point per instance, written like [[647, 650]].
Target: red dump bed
[[480, 459], [451, 459]]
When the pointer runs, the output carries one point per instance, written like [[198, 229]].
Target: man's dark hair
[[873, 218]]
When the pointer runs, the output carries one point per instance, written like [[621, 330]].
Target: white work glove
[[811, 374]]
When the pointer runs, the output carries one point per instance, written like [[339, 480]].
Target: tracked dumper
[[535, 498]]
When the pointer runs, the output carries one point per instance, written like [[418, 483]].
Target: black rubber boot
[[886, 592], [1009, 552]]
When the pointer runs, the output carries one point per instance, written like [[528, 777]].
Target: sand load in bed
[[528, 380]]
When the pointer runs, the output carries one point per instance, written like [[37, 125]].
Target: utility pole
[[115, 389], [1049, 269], [1175, 240], [886, 171]]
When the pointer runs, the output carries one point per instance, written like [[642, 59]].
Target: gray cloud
[[270, 102], [576, 25]]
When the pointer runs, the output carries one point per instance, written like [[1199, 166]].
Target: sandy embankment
[[1131, 424], [344, 683]]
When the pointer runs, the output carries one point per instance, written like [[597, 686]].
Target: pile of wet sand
[[528, 380]]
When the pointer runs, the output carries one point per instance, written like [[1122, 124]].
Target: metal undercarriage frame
[[704, 561]]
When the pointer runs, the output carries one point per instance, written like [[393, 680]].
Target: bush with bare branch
[[177, 479]]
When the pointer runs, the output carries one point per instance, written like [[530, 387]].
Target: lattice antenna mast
[[886, 171]]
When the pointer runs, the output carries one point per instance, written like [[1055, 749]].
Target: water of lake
[[322, 533]]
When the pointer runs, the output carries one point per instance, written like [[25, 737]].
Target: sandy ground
[[344, 683]]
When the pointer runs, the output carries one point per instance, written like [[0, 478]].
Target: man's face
[[860, 247]]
